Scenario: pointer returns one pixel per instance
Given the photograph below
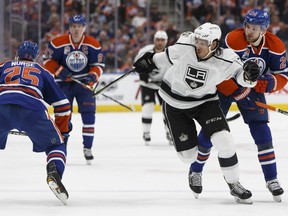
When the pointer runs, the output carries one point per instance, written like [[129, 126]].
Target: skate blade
[[196, 195], [60, 195], [243, 201], [147, 143], [277, 198], [88, 162]]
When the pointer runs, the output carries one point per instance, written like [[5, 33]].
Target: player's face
[[202, 48], [252, 32], [77, 30], [159, 44]]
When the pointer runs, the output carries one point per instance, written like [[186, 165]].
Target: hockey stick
[[93, 89], [236, 116], [263, 105], [111, 83], [84, 85], [127, 107], [20, 133]]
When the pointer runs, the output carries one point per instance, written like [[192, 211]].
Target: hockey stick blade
[[111, 83], [269, 107], [236, 116]]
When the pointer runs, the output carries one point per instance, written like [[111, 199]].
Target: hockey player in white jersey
[[150, 84], [196, 66]]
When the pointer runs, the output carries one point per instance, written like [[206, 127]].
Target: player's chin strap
[[258, 41], [93, 89], [211, 51]]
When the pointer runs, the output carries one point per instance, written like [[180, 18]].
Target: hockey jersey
[[270, 55], [79, 59], [189, 81], [29, 85]]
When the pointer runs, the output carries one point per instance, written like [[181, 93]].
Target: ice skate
[[147, 138], [169, 138], [55, 184], [88, 155], [275, 188], [195, 183], [240, 194]]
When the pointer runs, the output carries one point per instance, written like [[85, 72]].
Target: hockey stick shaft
[[84, 85], [127, 107], [114, 81], [92, 89], [263, 105]]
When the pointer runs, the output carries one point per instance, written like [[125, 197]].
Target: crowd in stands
[[121, 41]]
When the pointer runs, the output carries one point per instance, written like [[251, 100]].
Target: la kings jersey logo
[[195, 78]]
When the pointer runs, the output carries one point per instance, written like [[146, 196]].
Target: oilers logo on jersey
[[195, 78], [76, 61]]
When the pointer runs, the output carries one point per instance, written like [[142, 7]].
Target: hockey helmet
[[258, 17], [28, 51], [77, 19], [161, 35], [208, 32]]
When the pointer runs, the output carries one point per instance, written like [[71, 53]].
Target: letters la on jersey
[[195, 78]]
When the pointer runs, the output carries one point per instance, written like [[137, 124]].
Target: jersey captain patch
[[195, 78], [76, 61]]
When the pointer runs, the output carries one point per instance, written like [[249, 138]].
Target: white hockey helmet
[[208, 32], [161, 35]]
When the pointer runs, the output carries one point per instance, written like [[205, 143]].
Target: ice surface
[[129, 178]]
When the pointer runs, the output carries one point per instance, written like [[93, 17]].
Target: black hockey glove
[[144, 77], [145, 63], [251, 71]]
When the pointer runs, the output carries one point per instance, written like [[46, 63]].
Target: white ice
[[129, 178]]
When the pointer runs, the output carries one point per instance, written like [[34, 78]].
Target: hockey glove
[[90, 79], [145, 63], [144, 77], [246, 97], [64, 74], [251, 71], [270, 83], [66, 135]]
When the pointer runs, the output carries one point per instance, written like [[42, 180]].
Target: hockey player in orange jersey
[[79, 56]]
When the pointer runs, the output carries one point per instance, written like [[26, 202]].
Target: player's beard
[[250, 39]]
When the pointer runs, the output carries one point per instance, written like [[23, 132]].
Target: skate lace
[[238, 188], [195, 179], [273, 185], [88, 152], [146, 135]]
